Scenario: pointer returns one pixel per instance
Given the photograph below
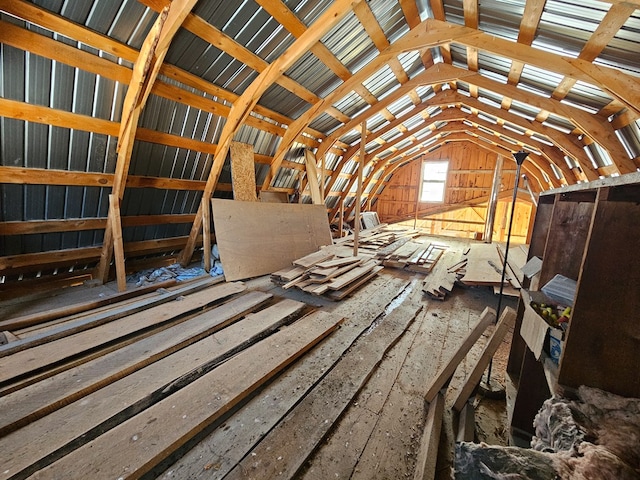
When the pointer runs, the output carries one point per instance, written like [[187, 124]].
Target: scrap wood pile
[[332, 272], [414, 256], [379, 239]]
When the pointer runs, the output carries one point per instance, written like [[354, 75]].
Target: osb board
[[243, 173], [273, 197], [256, 238]]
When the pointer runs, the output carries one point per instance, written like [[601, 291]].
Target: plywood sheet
[[256, 238], [243, 173]]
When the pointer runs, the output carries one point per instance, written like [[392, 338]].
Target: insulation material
[[596, 436]]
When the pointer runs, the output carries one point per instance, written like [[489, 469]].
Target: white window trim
[[424, 181]]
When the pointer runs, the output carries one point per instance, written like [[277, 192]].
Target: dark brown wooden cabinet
[[590, 233]]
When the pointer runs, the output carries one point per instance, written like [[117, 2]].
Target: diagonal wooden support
[[507, 319], [446, 372], [145, 72]]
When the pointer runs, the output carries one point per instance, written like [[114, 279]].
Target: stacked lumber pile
[[117, 392], [332, 272], [379, 239], [414, 256]]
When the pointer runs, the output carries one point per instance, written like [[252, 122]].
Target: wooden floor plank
[[86, 322], [24, 321], [135, 446], [342, 450], [226, 446], [286, 448], [43, 356], [446, 372], [50, 394]]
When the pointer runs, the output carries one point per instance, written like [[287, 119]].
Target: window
[[434, 176]]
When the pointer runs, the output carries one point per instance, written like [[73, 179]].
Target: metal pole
[[519, 157]]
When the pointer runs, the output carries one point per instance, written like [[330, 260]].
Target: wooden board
[[243, 172], [50, 394], [25, 321], [428, 452], [43, 356], [135, 446], [479, 270], [260, 238], [312, 177], [83, 321]]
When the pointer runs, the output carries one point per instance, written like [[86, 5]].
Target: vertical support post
[[118, 248], [341, 219], [493, 201], [356, 221], [206, 233], [323, 160]]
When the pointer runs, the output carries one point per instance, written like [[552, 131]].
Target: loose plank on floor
[[31, 319], [134, 447], [34, 401], [42, 356], [86, 322], [227, 445], [285, 449]]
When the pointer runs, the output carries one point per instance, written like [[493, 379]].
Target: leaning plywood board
[[243, 173], [137, 445], [260, 238]]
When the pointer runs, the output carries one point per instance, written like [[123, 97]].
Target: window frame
[[424, 180]]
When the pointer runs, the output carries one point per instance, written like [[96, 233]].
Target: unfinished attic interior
[[270, 239]]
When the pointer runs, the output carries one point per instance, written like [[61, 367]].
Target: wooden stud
[[206, 233], [358, 200], [118, 248]]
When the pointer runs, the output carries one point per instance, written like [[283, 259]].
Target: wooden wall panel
[[468, 185]]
